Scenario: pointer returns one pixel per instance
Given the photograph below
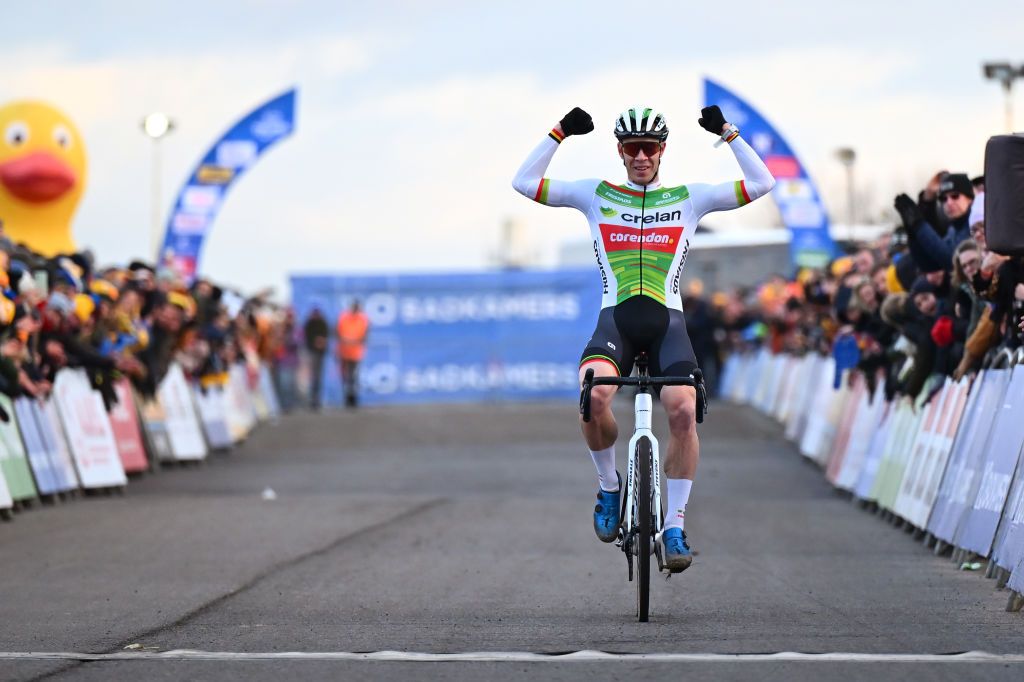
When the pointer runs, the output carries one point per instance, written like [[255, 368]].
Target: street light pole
[[1006, 74], [156, 126], [847, 156]]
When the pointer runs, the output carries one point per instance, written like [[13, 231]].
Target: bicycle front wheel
[[643, 524]]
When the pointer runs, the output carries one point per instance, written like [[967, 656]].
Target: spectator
[[353, 328], [286, 361], [929, 250], [315, 333]]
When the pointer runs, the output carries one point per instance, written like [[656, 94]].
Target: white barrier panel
[[1009, 548], [922, 485], [930, 425], [793, 387], [88, 430], [56, 441], [6, 502], [960, 484], [45, 471], [864, 428], [1016, 581], [268, 392], [834, 413], [851, 411], [15, 465], [729, 367], [894, 457], [759, 378], [771, 387], [742, 389], [810, 378], [876, 450], [212, 408], [124, 422], [995, 473], [154, 422], [817, 413], [240, 411], [783, 379], [183, 429]]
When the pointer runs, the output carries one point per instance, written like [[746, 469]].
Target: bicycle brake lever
[[588, 380], [702, 394]]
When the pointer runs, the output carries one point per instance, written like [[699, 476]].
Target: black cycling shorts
[[641, 324]]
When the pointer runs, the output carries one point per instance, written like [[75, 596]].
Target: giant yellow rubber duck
[[42, 176]]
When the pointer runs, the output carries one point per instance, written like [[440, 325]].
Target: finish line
[[509, 657]]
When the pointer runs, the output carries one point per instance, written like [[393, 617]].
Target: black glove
[[909, 212], [711, 119], [576, 122]]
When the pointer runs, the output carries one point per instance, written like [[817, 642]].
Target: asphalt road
[[462, 529]]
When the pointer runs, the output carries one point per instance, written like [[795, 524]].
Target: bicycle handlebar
[[696, 380]]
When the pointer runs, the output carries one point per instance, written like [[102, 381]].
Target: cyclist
[[641, 234]]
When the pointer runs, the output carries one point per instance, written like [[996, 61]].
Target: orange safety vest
[[352, 328]]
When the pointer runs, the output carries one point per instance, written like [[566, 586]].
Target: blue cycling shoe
[[677, 553], [606, 514]]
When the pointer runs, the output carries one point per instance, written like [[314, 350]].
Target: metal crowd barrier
[[946, 466], [54, 448]]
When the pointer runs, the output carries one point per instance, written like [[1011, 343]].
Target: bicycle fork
[[643, 407]]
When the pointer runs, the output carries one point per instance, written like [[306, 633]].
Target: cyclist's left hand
[[712, 120]]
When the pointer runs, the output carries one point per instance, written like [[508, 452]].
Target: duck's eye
[[62, 137], [16, 134]]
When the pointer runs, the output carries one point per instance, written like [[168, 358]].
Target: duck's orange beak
[[37, 177]]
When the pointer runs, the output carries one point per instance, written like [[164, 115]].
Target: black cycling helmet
[[641, 122]]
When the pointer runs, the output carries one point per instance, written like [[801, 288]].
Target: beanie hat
[[957, 182], [922, 286]]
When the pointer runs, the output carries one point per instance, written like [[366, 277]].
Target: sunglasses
[[952, 195], [634, 148]]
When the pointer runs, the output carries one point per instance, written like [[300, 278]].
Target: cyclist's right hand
[[576, 122]]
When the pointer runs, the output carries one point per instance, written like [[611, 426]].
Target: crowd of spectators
[[923, 302], [132, 321]]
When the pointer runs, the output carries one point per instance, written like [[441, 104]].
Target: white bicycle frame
[[643, 406]]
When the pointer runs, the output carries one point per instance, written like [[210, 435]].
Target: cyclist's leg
[[606, 354], [601, 431], [676, 358]]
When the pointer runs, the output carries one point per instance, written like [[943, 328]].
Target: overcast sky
[[412, 117]]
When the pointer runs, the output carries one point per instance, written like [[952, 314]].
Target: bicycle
[[641, 528]]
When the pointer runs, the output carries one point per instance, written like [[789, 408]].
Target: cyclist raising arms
[[641, 234]]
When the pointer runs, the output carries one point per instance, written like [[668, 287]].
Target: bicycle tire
[[644, 519]]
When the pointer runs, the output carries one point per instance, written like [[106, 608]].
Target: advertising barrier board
[[13, 463], [88, 431]]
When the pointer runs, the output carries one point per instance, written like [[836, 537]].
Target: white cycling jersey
[[641, 234]]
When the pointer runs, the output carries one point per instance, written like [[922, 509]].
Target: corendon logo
[[618, 238]]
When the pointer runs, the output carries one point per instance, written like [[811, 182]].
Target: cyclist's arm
[[531, 183], [757, 181]]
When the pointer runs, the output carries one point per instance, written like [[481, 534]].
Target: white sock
[[678, 496], [604, 460]]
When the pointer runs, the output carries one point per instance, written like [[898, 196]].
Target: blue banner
[[460, 337], [200, 199], [795, 194]]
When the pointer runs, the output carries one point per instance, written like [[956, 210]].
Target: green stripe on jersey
[[664, 196], [667, 196], [740, 201]]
